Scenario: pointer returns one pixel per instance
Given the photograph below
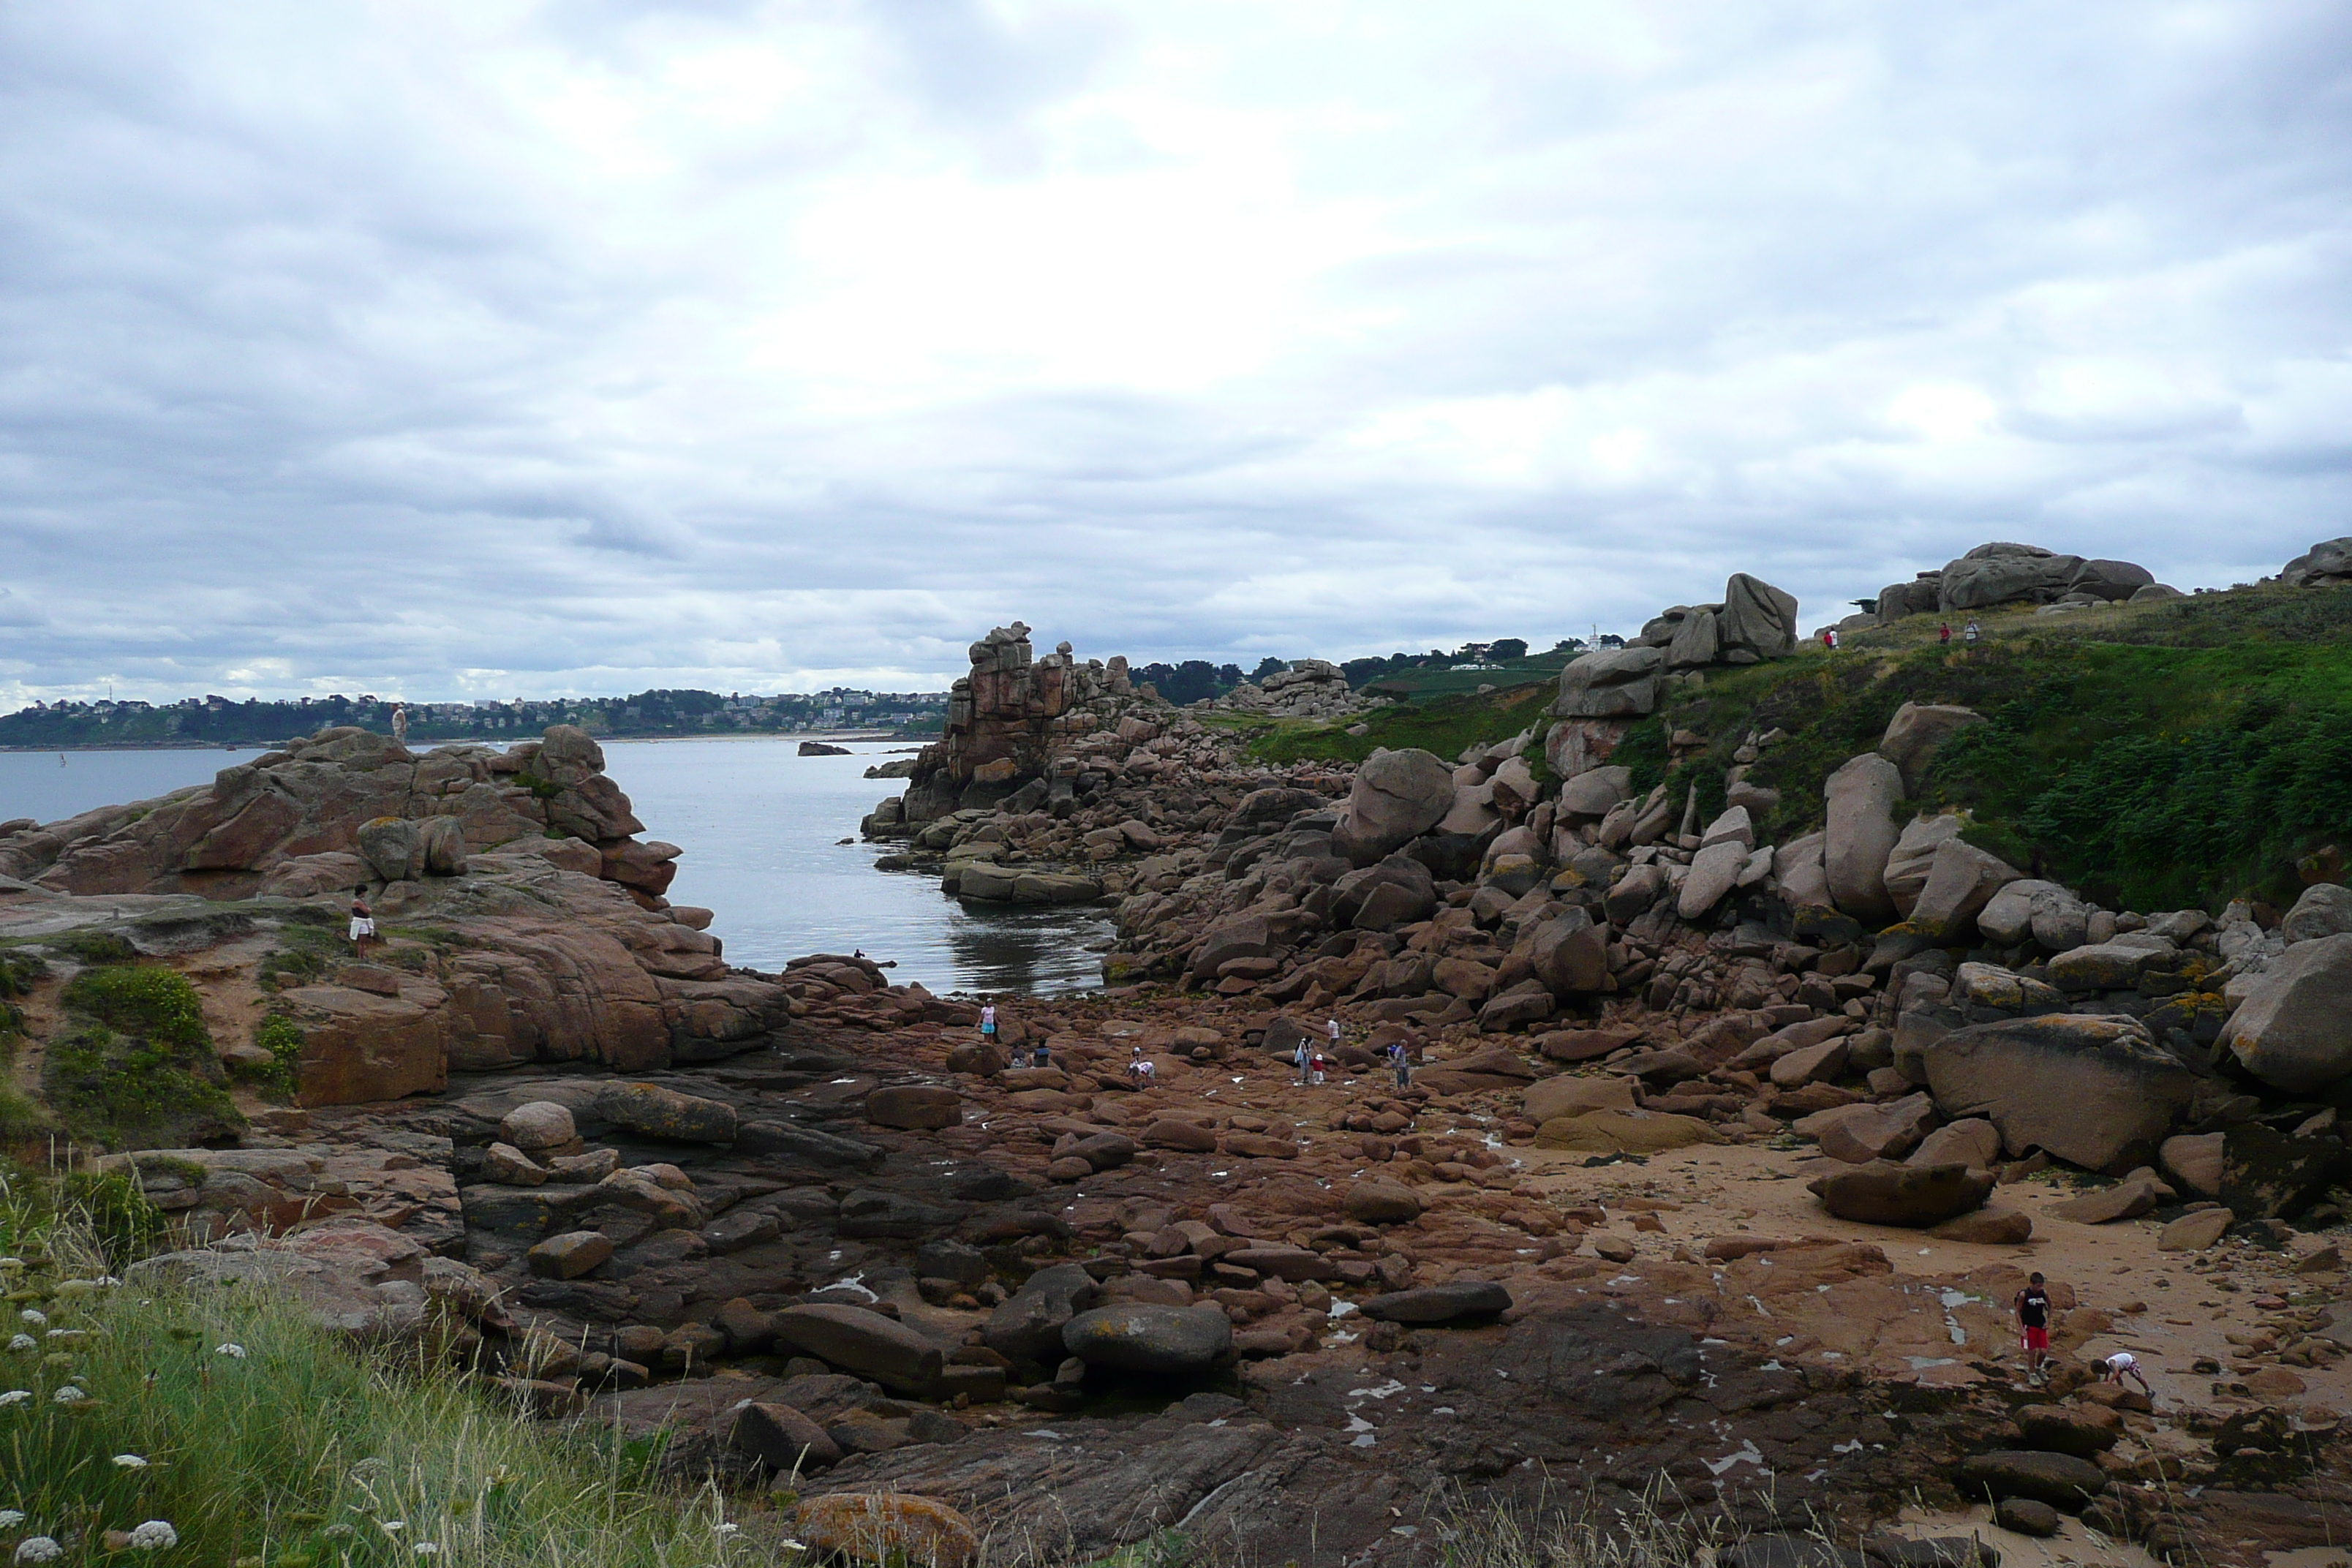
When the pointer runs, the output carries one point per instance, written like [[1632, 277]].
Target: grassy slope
[[2155, 756], [1443, 724]]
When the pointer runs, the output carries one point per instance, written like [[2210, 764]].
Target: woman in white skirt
[[362, 924]]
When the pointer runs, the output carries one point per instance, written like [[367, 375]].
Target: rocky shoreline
[[1718, 1163]]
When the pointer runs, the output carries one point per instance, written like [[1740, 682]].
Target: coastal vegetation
[[251, 1435]]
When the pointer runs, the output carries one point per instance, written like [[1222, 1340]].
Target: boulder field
[[1715, 1158]]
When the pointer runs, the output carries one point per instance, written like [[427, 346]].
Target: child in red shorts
[[2033, 1308]]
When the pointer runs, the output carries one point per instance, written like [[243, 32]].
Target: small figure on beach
[[1040, 1057], [2121, 1365], [1402, 1060], [988, 1022], [1139, 1067], [2031, 1306]]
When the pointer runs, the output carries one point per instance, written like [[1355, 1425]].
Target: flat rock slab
[[1446, 1304]]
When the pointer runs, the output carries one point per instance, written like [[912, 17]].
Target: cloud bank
[[472, 350]]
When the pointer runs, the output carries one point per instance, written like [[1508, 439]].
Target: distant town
[[214, 720]]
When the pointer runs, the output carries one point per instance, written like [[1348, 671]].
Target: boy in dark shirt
[[2031, 1306]]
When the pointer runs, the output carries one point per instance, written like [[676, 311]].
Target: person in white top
[[2121, 1365], [1139, 1066]]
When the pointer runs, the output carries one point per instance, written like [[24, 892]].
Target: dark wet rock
[[1168, 1341], [861, 1342], [1452, 1303], [1883, 1192], [2062, 1481]]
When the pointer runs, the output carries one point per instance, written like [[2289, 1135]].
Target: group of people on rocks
[[1311, 1062]]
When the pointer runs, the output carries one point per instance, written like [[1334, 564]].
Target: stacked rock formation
[[2003, 573], [1603, 692], [1309, 689], [2326, 564], [1012, 717]]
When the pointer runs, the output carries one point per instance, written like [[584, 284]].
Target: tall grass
[[268, 1441]]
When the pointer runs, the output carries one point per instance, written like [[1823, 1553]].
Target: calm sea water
[[761, 829]]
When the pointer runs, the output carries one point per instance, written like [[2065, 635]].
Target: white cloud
[[527, 348]]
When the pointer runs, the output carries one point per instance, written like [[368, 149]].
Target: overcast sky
[[463, 350]]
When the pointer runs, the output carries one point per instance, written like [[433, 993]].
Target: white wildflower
[[69, 1335], [427, 1549], [789, 1544], [129, 1461], [337, 1533], [11, 1265], [35, 1317], [10, 1518], [727, 1530], [392, 1526], [234, 1352], [39, 1549], [155, 1536], [24, 1342], [69, 1395], [14, 1397]]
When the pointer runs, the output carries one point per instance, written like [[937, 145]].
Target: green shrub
[[281, 1036], [114, 1213], [136, 1067]]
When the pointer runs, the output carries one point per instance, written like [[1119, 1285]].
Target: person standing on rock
[[1401, 1060], [2031, 1306], [1829, 639], [399, 725], [362, 924], [2121, 1365], [1040, 1056], [988, 1025], [1302, 1058]]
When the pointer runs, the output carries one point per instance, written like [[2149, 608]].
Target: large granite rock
[[2291, 1029], [1962, 880], [1396, 797], [2326, 565], [1917, 732], [2096, 1091], [1611, 683], [1861, 836]]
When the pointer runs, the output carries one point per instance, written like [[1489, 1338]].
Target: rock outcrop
[[1015, 719], [348, 807], [1994, 574], [2326, 564]]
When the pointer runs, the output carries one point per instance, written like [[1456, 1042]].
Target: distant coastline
[[421, 744]]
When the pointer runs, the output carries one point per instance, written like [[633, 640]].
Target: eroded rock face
[[1015, 714]]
